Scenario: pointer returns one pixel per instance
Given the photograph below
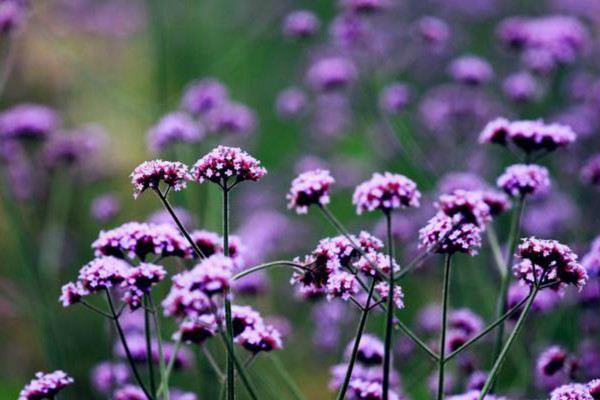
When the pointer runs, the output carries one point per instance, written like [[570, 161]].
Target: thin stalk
[[185, 233], [500, 360], [238, 366], [161, 354], [496, 251], [484, 332], [445, 296], [213, 363], [287, 379], [95, 309], [163, 387], [387, 355], [282, 263], [136, 374], [148, 335], [228, 318], [359, 332], [505, 276]]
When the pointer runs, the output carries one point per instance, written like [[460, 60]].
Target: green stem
[[161, 354], [213, 363], [496, 251], [136, 374], [504, 352], [442, 349], [287, 379], [163, 387], [355, 346], [238, 366], [148, 334], [281, 263], [387, 357], [504, 273], [228, 318]]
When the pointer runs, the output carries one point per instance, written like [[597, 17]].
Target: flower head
[[310, 188], [442, 236], [572, 391], [520, 87], [129, 392], [364, 6], [173, 128], [231, 118], [225, 163], [370, 350], [138, 282], [197, 330], [523, 179], [105, 207], [331, 73], [341, 284], [386, 192], [204, 95], [108, 375], [471, 70], [260, 338], [211, 276], [394, 98], [383, 289], [553, 367], [135, 239], [300, 24], [149, 175], [291, 103], [102, 273], [28, 121], [590, 172], [464, 206], [12, 15], [45, 385], [71, 293]]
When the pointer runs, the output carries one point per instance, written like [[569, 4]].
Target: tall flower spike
[[149, 175], [225, 163], [386, 192], [310, 188]]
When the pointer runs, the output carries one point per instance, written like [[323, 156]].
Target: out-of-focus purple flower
[[260, 338], [162, 216], [588, 359], [497, 201], [208, 242], [350, 31], [75, 149], [28, 121], [149, 175], [590, 172], [231, 118], [521, 87], [105, 207], [403, 227], [225, 163], [129, 392], [204, 95], [528, 135], [394, 98], [545, 300], [386, 192], [549, 259], [449, 384], [108, 375], [553, 368], [45, 385], [175, 127], [441, 235], [310, 188], [471, 70], [582, 118], [556, 39], [550, 216], [476, 380], [524, 179], [177, 394], [469, 181], [370, 350], [429, 317], [291, 103], [465, 320], [12, 15], [300, 24], [332, 114], [330, 73], [365, 6], [197, 330], [572, 391], [432, 31], [264, 231], [473, 395], [140, 239], [138, 282], [329, 318]]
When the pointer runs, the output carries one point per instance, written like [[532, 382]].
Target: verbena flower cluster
[[150, 174], [385, 192], [310, 188], [45, 385], [225, 163]]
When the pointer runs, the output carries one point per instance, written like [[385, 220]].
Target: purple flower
[[75, 149], [149, 175], [129, 392], [394, 98], [230, 118], [291, 102], [385, 192], [498, 202], [476, 380], [138, 282], [521, 87], [342, 284], [140, 239], [197, 330], [368, 390], [300, 24], [45, 385], [523, 179], [594, 388], [162, 217], [428, 319], [543, 302], [463, 206], [551, 260], [331, 73], [260, 338], [373, 262], [204, 95], [553, 368], [28, 121], [12, 15], [224, 163], [102, 273], [441, 235], [243, 318], [465, 320], [208, 242], [108, 375], [211, 276], [370, 350], [572, 391], [461, 180], [383, 289], [496, 131], [177, 394], [473, 395], [550, 215], [71, 293], [176, 127], [105, 207], [308, 188], [432, 31], [590, 172], [471, 70], [364, 6]]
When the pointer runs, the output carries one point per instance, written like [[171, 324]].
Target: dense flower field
[[359, 199]]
